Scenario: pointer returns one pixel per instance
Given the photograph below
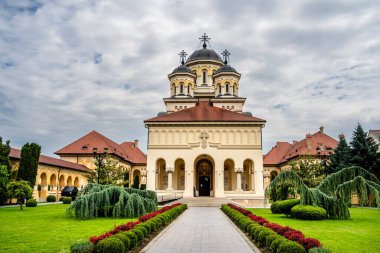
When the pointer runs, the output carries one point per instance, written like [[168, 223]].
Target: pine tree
[[5, 149], [341, 157], [30, 155], [364, 151]]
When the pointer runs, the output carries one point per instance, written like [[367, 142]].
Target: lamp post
[[99, 157]]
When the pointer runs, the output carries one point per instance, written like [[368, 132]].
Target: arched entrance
[[204, 176]]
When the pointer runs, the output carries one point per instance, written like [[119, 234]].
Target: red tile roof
[[284, 152], [86, 144], [16, 154], [134, 153], [204, 112]]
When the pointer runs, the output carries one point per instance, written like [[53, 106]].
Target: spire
[[226, 56], [204, 38], [182, 56]]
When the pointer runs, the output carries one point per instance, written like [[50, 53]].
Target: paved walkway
[[201, 229]]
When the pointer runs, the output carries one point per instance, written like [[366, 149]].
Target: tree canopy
[[309, 170], [20, 190], [30, 155], [107, 171], [5, 149]]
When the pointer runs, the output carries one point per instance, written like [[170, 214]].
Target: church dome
[[225, 68], [182, 69], [204, 54]]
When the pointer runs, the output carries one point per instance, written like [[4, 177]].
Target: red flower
[[309, 243]]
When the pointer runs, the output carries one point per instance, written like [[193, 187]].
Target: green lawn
[[358, 234], [47, 229]]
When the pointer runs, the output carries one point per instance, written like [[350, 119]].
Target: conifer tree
[[5, 149], [364, 151], [341, 157], [30, 155]]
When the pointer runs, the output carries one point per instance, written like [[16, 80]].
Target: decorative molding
[[239, 170], [204, 137], [169, 169]]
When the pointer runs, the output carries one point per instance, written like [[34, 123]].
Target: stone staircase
[[202, 201]]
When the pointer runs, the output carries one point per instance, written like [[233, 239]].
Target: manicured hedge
[[269, 235], [132, 233], [66, 200], [51, 198], [285, 206], [82, 247], [31, 203], [306, 212], [319, 250], [274, 207], [110, 245]]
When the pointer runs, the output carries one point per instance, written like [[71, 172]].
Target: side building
[[318, 145]]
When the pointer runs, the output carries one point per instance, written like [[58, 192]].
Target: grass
[[47, 229], [356, 235]]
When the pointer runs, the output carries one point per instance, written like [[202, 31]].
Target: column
[[238, 178], [252, 175], [219, 179], [189, 179], [170, 171]]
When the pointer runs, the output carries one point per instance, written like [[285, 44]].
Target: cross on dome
[[182, 56], [205, 39], [226, 56]]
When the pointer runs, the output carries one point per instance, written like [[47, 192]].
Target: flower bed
[[268, 234], [131, 233]]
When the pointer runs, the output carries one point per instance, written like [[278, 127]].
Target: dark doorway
[[204, 186]]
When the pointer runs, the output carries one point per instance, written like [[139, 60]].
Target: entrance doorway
[[204, 176]]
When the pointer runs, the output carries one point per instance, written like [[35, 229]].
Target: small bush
[[110, 245], [142, 229], [143, 187], [60, 198], [270, 238], [274, 208], [31, 203], [275, 243], [132, 239], [82, 247], [257, 232], [124, 239], [285, 206], [138, 233], [263, 236], [66, 200], [51, 198], [319, 250], [290, 247], [305, 212]]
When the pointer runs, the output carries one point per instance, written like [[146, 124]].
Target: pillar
[[170, 171], [238, 178], [189, 179], [219, 179]]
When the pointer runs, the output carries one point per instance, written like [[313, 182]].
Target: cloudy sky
[[69, 67]]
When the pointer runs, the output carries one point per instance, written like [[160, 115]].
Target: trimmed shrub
[[305, 212], [290, 247], [110, 245], [51, 198], [309, 243], [319, 250], [257, 232], [274, 208], [142, 229], [138, 233], [270, 238], [82, 247], [261, 238], [31, 203], [275, 243], [146, 226], [124, 239], [132, 239], [66, 200], [60, 198], [285, 206]]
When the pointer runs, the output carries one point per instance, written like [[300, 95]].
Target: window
[[220, 89], [195, 73], [233, 89], [204, 76], [175, 90], [188, 89], [227, 88], [181, 89]]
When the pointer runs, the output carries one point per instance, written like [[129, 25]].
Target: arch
[[179, 174], [204, 167], [273, 175], [161, 177], [181, 88], [227, 84], [61, 181], [43, 179], [53, 180], [248, 175], [204, 76], [69, 181], [136, 173], [229, 172], [219, 88], [76, 182]]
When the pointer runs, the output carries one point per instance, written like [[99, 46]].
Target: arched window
[[188, 89], [220, 89], [175, 90], [233, 89], [227, 87], [181, 89], [195, 73], [204, 76]]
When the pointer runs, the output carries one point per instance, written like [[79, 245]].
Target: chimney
[[308, 141], [321, 129], [341, 136], [294, 142], [136, 143]]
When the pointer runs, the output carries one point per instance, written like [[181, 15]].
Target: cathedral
[[205, 144]]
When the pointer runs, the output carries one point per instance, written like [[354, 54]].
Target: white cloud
[[68, 67]]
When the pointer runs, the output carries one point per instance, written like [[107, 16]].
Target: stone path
[[201, 229]]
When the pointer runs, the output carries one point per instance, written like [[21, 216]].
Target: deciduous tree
[[20, 190]]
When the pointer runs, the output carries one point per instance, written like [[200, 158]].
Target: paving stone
[[200, 229]]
